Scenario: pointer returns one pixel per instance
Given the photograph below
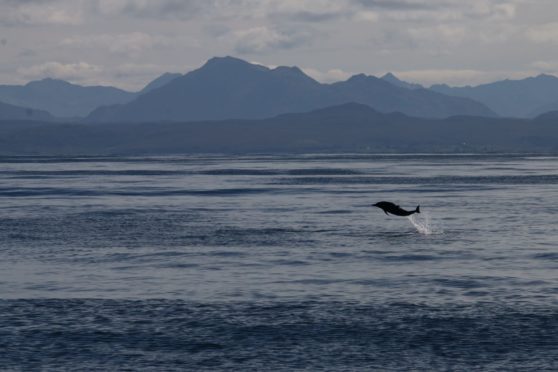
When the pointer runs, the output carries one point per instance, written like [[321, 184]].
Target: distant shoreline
[[348, 128]]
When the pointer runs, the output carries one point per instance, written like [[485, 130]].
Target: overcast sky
[[126, 43]]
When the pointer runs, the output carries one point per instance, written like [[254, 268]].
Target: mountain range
[[392, 79], [61, 98], [528, 97], [67, 100], [345, 128], [227, 87]]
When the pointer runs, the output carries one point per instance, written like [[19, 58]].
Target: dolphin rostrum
[[396, 210]]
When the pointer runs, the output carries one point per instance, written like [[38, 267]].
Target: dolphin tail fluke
[[418, 209]]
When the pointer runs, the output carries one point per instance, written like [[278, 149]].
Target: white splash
[[422, 223]]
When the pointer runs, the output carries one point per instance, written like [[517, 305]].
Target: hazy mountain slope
[[11, 112], [510, 98], [160, 81], [61, 98], [386, 97], [345, 128], [394, 80], [548, 107], [223, 88], [231, 88]]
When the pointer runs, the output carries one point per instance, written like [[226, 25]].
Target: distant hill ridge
[[227, 87], [349, 127], [12, 112], [391, 78], [61, 98], [527, 97], [67, 100]]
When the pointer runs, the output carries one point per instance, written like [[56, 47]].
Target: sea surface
[[279, 263]]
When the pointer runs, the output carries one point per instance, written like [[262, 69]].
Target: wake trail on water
[[423, 223]]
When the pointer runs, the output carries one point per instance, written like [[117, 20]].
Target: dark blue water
[[279, 263]]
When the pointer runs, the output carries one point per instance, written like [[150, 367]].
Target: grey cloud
[[392, 39], [27, 53], [398, 4], [160, 9], [370, 36], [443, 10], [19, 2], [129, 43], [217, 30], [39, 12], [262, 39], [220, 9], [311, 16], [307, 16], [168, 8], [77, 72]]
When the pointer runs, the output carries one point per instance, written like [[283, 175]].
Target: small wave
[[336, 211], [94, 172], [546, 256], [322, 172], [110, 334], [147, 192], [240, 172], [274, 172], [411, 257], [548, 179], [460, 283], [287, 262]]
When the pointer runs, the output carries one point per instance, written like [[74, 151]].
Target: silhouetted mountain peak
[[545, 77], [226, 59], [50, 83], [390, 76], [229, 63], [439, 86], [289, 70], [392, 79], [292, 72], [358, 77], [228, 87], [362, 81]]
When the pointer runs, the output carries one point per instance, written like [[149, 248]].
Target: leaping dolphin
[[390, 208]]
